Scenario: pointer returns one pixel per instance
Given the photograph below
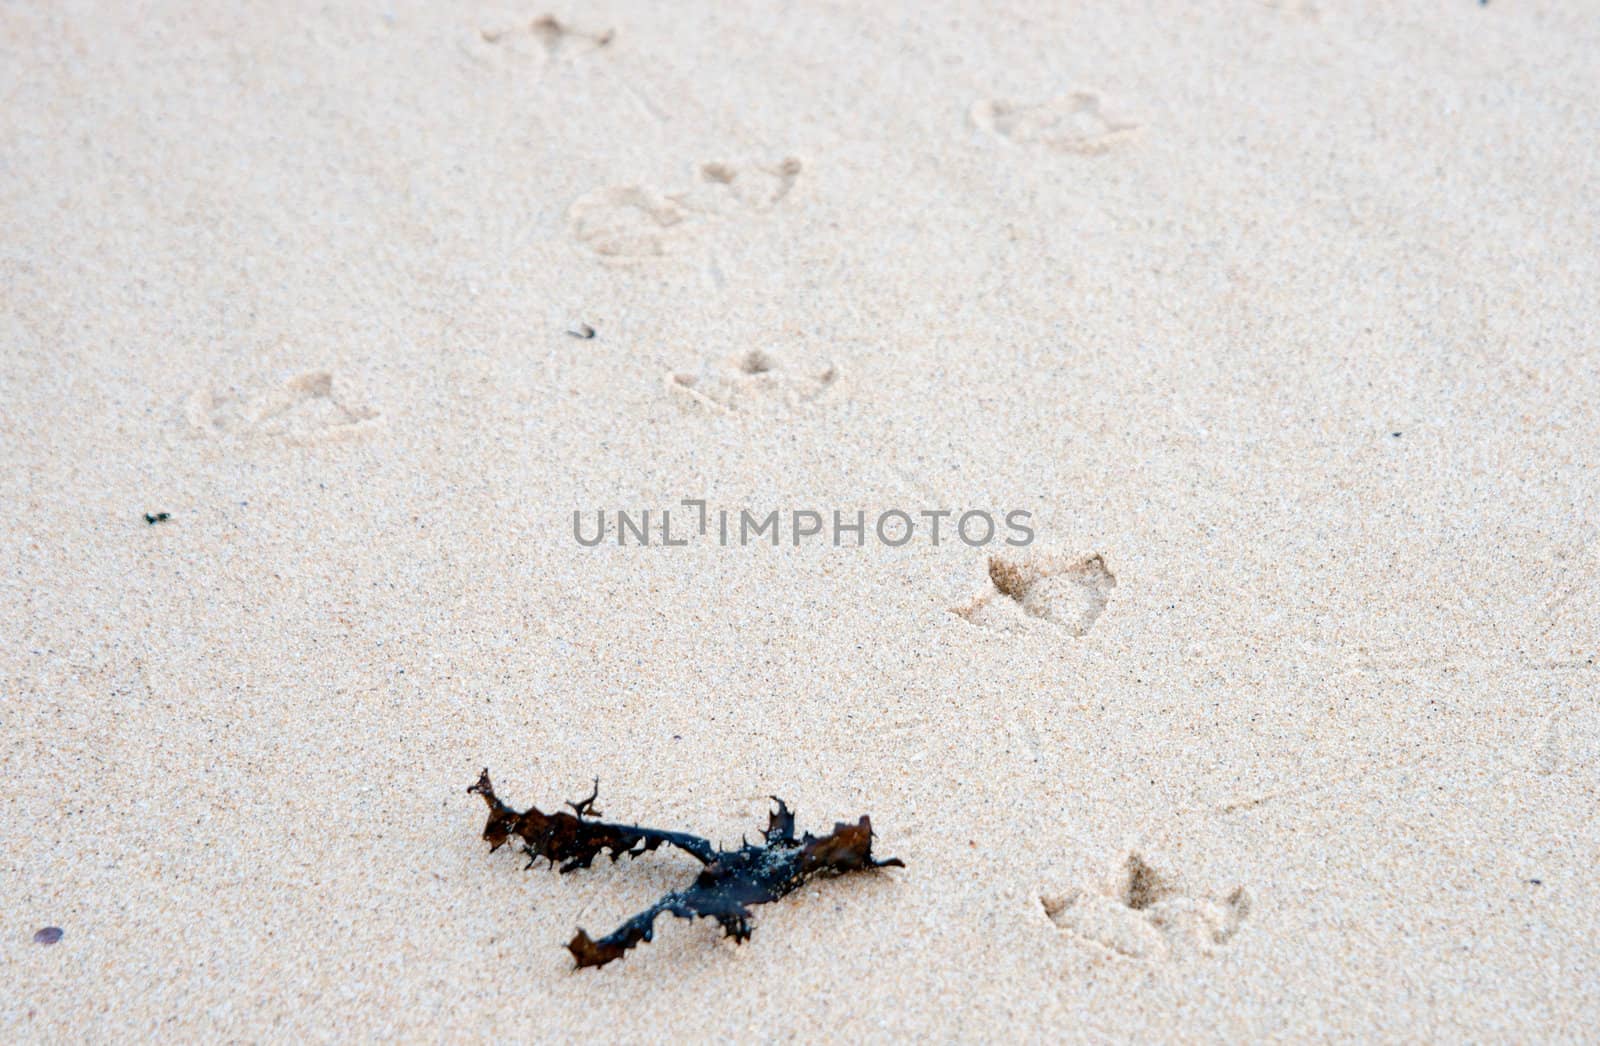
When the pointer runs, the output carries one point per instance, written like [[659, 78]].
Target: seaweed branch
[[729, 882]]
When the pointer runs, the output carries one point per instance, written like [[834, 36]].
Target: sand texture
[[1280, 319]]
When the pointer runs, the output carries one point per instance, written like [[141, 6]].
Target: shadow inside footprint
[[1144, 886], [756, 362]]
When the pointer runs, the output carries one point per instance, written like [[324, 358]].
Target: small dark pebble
[[48, 935], [1536, 882], [1396, 435], [159, 517], [584, 331]]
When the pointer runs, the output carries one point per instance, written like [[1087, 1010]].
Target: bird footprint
[[1142, 914], [630, 223], [1081, 122], [752, 384], [305, 409]]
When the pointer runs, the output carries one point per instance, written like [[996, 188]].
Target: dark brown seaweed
[[729, 882]]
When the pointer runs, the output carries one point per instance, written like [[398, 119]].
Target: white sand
[[1287, 312]]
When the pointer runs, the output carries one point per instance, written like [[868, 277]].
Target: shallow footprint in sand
[[632, 223], [509, 42], [1305, 9], [1139, 913], [1082, 122], [753, 383], [625, 223], [305, 409], [727, 189], [1044, 589]]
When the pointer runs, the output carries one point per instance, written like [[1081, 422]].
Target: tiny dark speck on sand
[[48, 935], [158, 517], [584, 331]]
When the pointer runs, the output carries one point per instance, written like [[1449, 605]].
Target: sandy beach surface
[[1278, 321]]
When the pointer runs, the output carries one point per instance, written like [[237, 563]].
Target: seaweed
[[730, 881]]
